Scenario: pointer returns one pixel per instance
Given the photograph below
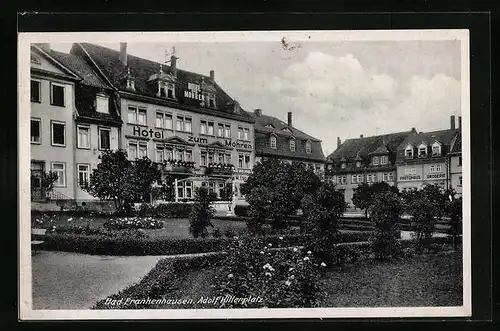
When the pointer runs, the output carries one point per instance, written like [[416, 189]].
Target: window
[[102, 104], [159, 154], [240, 161], [142, 117], [220, 130], [273, 142], [143, 150], [211, 187], [360, 178], [137, 116], [228, 158], [83, 137], [203, 158], [36, 130], [83, 175], [221, 189], [410, 171], [188, 127], [210, 157], [57, 95], [358, 164], [354, 179], [58, 133], [391, 176], [137, 150], [203, 127], [240, 132], [169, 153], [459, 161], [409, 152], [344, 179], [292, 145], [220, 157], [386, 177], [179, 124], [211, 100], [435, 168], [189, 189], [188, 155], [168, 122], [132, 150], [227, 131], [247, 162], [308, 147], [246, 134], [384, 159], [167, 90], [35, 91], [179, 154], [104, 138], [343, 165], [460, 180], [436, 149], [60, 170], [159, 120], [210, 128], [132, 115], [375, 160], [422, 151]]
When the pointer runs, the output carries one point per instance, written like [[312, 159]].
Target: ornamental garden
[[294, 245]]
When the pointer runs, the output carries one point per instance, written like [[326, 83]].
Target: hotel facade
[[181, 120]]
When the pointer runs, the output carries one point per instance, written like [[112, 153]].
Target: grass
[[422, 281]]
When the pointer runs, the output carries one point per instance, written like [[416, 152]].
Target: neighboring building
[[277, 139], [179, 119], [52, 129], [96, 122], [455, 161], [422, 158], [364, 160]]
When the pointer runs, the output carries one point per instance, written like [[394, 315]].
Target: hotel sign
[[410, 177], [436, 176], [193, 92]]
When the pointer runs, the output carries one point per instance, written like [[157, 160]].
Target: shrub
[[229, 233], [277, 279], [217, 233], [423, 212], [165, 210], [385, 210], [201, 215], [240, 210]]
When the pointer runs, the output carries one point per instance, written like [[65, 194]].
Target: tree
[[285, 185], [201, 215], [365, 193], [424, 212], [455, 214], [122, 181], [385, 210]]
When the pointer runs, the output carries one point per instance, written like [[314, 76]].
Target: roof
[[282, 150], [261, 121], [456, 147], [368, 145], [108, 62], [79, 67], [444, 137]]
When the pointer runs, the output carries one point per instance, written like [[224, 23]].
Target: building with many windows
[[364, 160], [422, 158], [184, 121], [83, 118], [455, 161], [277, 139]]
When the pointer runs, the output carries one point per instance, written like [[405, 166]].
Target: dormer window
[[384, 159], [292, 145], [287, 130], [409, 152], [308, 147], [35, 59], [375, 160], [358, 164], [210, 100], [102, 104], [269, 126], [436, 149], [166, 90], [272, 142], [343, 165], [422, 150], [130, 81]]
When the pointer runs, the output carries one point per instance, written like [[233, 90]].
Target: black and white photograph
[[272, 174]]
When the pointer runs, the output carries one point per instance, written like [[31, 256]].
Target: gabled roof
[[49, 55], [444, 137], [382, 149], [366, 145], [457, 144], [108, 62], [262, 121]]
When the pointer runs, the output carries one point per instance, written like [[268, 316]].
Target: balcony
[[219, 169], [178, 167]]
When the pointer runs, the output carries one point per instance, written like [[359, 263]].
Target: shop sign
[[436, 176], [410, 177]]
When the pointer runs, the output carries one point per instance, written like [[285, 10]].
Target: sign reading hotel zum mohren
[[159, 134]]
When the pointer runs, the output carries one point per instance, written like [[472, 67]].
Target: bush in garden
[[279, 278], [202, 213], [258, 209], [455, 213], [133, 223], [241, 210], [424, 212], [217, 233], [385, 211]]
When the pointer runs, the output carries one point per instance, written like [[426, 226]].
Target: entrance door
[[37, 171]]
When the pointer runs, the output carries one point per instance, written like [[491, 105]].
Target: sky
[[333, 89]]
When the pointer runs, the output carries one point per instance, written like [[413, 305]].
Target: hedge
[[132, 245], [165, 210]]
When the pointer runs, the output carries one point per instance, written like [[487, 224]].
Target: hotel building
[[364, 160], [422, 158], [182, 120], [277, 139]]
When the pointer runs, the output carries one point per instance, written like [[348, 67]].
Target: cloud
[[336, 96]]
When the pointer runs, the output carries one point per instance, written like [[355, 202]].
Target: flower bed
[[133, 223]]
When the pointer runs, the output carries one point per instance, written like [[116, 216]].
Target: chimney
[[258, 112], [452, 122], [361, 136], [289, 118], [44, 46], [236, 106], [413, 130], [123, 53], [173, 65], [339, 142], [460, 123], [212, 75]]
